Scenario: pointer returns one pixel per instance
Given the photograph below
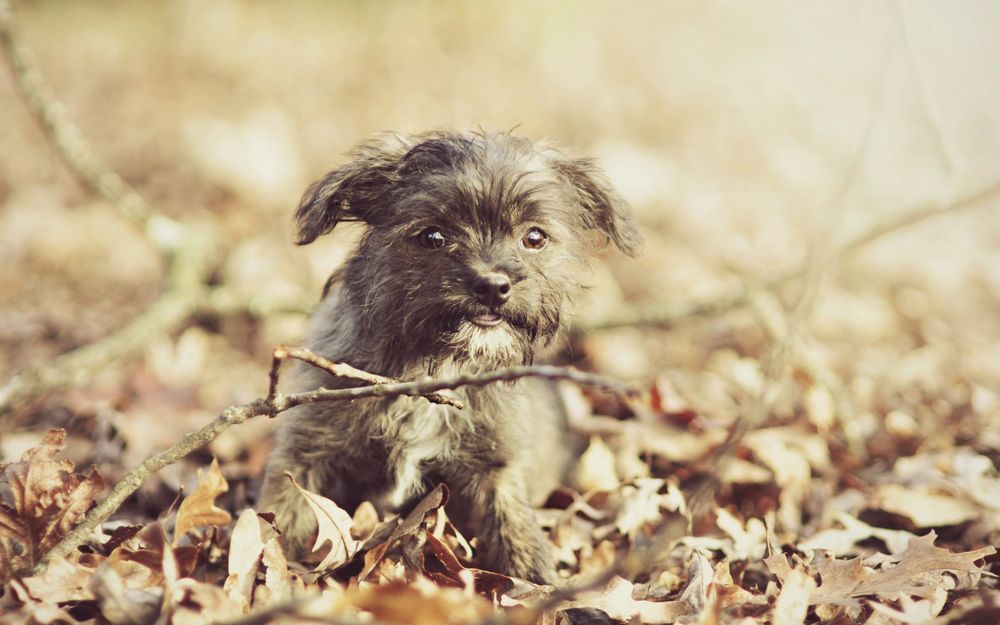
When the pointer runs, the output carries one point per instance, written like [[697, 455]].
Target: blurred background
[[750, 139]]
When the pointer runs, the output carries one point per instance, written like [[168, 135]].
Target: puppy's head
[[475, 243]]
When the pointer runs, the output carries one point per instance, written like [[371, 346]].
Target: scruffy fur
[[402, 308]]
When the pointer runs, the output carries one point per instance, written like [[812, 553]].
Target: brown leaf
[[198, 509], [616, 601], [921, 556], [120, 602], [149, 549], [442, 566], [63, 580], [793, 601], [49, 499], [410, 525], [245, 547], [418, 603], [279, 583], [334, 527], [197, 603]]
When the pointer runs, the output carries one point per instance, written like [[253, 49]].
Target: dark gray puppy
[[476, 244]]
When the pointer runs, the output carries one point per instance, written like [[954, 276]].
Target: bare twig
[[191, 255], [86, 164], [75, 368], [665, 316], [340, 370], [276, 403]]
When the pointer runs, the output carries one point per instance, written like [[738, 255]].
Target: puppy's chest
[[417, 435]]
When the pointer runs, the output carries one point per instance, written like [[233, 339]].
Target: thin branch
[[276, 403], [71, 145], [424, 387], [190, 259], [340, 370], [77, 367], [665, 316]]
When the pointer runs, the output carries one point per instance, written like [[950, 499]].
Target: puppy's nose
[[491, 289]]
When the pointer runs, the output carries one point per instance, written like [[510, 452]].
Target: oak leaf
[[334, 527], [49, 500], [198, 509]]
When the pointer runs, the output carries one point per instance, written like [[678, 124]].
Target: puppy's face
[[475, 242]]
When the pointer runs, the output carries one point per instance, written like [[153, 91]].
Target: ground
[[817, 437]]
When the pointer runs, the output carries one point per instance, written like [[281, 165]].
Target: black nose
[[491, 289]]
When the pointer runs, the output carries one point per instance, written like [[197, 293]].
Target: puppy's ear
[[603, 208], [353, 191]]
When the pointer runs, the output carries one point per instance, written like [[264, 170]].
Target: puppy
[[475, 246]]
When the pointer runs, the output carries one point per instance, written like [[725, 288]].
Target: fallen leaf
[[198, 509], [616, 601], [911, 612], [843, 541], [925, 506], [643, 505], [334, 527], [279, 583], [62, 581], [196, 603], [596, 468], [921, 556], [418, 603], [49, 499], [441, 565], [121, 604], [794, 599], [435, 499], [245, 548]]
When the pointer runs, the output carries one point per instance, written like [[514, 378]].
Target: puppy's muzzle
[[491, 289]]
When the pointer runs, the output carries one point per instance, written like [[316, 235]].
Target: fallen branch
[[665, 316], [190, 254], [340, 370], [275, 403], [77, 367], [85, 164]]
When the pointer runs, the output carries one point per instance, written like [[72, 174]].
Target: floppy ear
[[603, 208], [351, 192]]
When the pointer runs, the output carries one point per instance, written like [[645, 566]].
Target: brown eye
[[431, 238], [535, 239]]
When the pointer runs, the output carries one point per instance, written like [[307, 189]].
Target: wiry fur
[[400, 309]]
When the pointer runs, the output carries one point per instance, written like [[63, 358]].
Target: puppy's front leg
[[511, 539]]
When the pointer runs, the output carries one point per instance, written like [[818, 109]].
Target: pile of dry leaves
[[786, 545]]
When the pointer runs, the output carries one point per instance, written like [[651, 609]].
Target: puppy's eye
[[431, 238], [535, 239]]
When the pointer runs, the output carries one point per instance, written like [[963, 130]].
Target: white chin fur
[[496, 344]]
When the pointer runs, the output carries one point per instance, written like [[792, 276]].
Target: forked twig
[[275, 403]]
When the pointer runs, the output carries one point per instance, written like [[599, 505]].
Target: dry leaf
[[793, 600], [198, 509], [408, 526], [596, 468], [62, 581], [843, 541], [279, 583], [334, 527], [49, 499], [418, 603], [121, 604], [616, 601], [921, 556], [911, 612], [925, 506], [196, 603], [245, 548]]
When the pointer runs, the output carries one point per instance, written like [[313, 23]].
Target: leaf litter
[[416, 569]]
